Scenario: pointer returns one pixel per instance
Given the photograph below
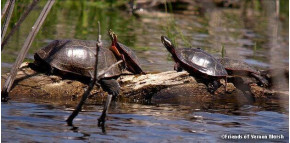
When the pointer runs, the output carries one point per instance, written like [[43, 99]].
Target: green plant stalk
[[255, 47], [172, 28], [223, 51]]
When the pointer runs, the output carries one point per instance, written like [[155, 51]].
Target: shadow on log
[[165, 87]]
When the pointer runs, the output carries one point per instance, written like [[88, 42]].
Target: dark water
[[245, 34]]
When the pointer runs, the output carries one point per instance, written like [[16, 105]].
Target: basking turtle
[[126, 54], [77, 57], [237, 67], [196, 61]]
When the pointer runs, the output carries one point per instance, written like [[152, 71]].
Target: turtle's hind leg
[[213, 86], [261, 79]]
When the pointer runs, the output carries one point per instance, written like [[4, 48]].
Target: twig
[[8, 84], [7, 19], [99, 33], [109, 68], [86, 93], [98, 45], [4, 10], [21, 19], [277, 8], [91, 84], [93, 81]]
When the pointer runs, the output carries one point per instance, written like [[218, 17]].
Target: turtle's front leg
[[51, 70], [177, 67], [124, 61]]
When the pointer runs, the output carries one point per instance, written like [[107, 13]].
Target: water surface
[[41, 122]]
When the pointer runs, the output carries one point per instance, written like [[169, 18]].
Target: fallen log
[[164, 87]]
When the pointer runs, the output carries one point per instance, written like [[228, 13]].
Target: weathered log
[[165, 87]]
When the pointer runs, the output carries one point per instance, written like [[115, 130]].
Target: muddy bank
[[165, 87]]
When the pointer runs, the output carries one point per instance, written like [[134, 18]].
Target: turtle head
[[114, 47], [168, 44], [124, 53], [113, 36]]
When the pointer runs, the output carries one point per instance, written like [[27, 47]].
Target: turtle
[[121, 51], [77, 57], [196, 62], [237, 67]]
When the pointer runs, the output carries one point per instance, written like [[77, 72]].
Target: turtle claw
[[213, 86], [50, 72], [177, 67], [4, 96]]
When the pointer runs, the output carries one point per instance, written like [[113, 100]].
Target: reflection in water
[[30, 122]]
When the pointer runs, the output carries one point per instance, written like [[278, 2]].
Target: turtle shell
[[193, 60], [237, 67], [130, 58], [78, 57]]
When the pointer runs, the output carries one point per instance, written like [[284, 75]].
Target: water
[[244, 37], [40, 122]]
